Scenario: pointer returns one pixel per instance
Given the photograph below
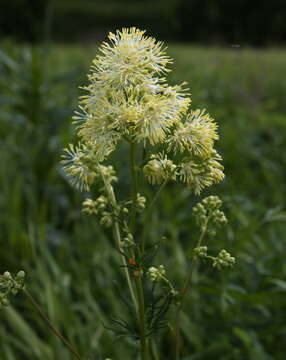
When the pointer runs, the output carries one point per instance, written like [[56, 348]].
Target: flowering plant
[[129, 100]]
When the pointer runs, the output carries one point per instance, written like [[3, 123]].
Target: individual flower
[[159, 169], [89, 207], [200, 173], [196, 135], [79, 164], [161, 113], [106, 219]]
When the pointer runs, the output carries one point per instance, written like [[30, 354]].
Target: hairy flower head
[[79, 165], [129, 59], [196, 135], [129, 99]]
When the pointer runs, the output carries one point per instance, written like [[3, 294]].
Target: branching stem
[[183, 293], [149, 213]]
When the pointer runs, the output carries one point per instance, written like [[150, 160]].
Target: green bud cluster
[[102, 207], [200, 252], [224, 259], [99, 207], [159, 169], [141, 203], [106, 219], [128, 241], [200, 214], [212, 202], [156, 274], [208, 215], [94, 206], [108, 173], [10, 285]]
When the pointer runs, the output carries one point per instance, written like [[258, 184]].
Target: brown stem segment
[[50, 325]]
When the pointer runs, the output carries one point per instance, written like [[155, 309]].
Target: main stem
[[141, 318], [183, 294], [138, 279], [117, 237], [50, 325], [134, 187]]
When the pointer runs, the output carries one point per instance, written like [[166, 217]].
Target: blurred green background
[[46, 49], [211, 21]]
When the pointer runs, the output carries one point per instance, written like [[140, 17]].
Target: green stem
[[183, 293], [148, 214], [116, 233], [177, 332], [158, 193], [154, 350], [189, 278], [134, 185], [141, 318], [118, 240], [138, 279], [50, 325]]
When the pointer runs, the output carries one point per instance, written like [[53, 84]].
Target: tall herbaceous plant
[[129, 100]]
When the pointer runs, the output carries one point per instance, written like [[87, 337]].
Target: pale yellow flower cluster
[[129, 99]]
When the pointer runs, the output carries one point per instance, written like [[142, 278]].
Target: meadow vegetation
[[232, 315]]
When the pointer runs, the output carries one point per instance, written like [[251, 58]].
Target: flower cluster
[[106, 211], [101, 207], [208, 215], [223, 259], [90, 206], [10, 285], [129, 99], [156, 274], [159, 274]]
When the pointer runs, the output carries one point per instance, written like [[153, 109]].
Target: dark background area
[[256, 23]]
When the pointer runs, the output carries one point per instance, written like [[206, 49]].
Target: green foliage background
[[71, 264]]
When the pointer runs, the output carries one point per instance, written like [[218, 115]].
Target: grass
[[72, 271]]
